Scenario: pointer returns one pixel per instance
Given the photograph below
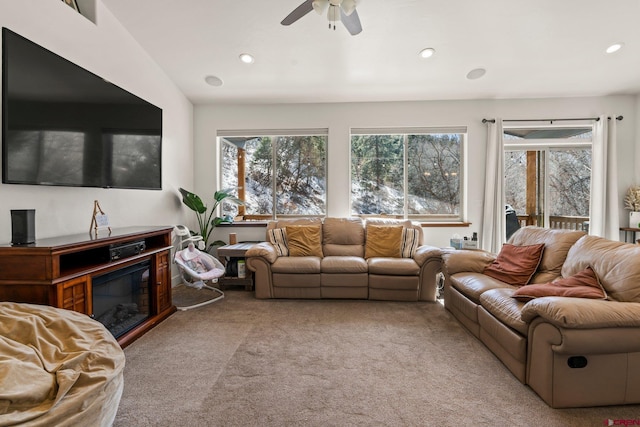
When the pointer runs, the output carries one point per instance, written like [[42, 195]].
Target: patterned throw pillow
[[410, 242], [278, 238]]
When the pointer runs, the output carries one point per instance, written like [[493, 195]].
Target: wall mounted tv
[[63, 125]]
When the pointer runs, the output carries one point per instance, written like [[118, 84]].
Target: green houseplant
[[206, 219]]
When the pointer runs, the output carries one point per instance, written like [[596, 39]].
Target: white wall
[[109, 51], [339, 118], [637, 145]]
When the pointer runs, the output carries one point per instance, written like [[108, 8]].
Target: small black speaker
[[23, 226]]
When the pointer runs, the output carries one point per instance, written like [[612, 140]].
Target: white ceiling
[[530, 49]]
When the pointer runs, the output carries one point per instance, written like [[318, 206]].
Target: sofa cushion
[[393, 266], [409, 242], [343, 231], [616, 264], [472, 285], [343, 237], [584, 284], [304, 240], [297, 265], [383, 241], [343, 264], [278, 238], [515, 264], [502, 306], [556, 246]]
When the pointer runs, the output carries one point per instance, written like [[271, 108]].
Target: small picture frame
[[99, 219], [73, 4], [102, 221]]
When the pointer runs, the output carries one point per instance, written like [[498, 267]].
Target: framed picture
[[73, 4]]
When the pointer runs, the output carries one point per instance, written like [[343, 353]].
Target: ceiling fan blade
[[298, 12], [351, 22]]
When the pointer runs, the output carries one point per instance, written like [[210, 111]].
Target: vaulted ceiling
[[529, 49]]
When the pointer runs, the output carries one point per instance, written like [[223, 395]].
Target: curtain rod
[[548, 120]]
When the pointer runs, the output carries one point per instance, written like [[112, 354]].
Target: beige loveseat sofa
[[573, 352], [346, 264]]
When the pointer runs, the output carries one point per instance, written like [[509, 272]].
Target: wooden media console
[[59, 271]]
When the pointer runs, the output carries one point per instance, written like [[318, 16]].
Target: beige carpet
[[247, 362], [186, 296]]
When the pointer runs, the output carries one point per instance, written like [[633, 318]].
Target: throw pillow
[[410, 242], [383, 241], [516, 264], [304, 240], [584, 284], [278, 238]]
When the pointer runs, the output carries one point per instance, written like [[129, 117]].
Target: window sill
[[245, 224], [423, 224], [445, 224]]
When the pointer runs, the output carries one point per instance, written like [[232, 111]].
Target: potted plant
[[632, 203], [206, 219]]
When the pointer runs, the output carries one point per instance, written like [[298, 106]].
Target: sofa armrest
[[466, 261], [426, 252], [582, 313], [263, 250]]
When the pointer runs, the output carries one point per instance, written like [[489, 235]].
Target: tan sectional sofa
[[573, 352], [341, 270]]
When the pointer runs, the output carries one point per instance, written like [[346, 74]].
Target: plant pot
[[634, 219]]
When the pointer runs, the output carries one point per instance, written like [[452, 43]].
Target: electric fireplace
[[121, 298]]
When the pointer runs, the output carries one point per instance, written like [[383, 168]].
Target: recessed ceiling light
[[614, 47], [213, 80], [246, 58], [427, 53], [476, 73]]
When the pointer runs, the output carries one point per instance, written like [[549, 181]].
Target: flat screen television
[[63, 125]]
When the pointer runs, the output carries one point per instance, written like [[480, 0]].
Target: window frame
[[274, 134], [546, 145], [406, 132]]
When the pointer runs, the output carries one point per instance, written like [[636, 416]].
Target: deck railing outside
[[558, 222]]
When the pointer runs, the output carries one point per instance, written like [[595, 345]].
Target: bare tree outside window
[[295, 164], [407, 175], [551, 180]]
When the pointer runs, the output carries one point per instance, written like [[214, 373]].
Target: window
[[281, 174], [407, 173], [548, 175]]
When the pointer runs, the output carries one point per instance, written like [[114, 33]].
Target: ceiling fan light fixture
[[333, 15], [348, 6], [320, 6], [427, 53]]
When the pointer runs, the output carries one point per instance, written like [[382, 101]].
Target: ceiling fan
[[337, 10]]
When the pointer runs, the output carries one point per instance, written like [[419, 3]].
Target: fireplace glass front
[[121, 299]]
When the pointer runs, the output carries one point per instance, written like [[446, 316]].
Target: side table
[[238, 250], [630, 233]]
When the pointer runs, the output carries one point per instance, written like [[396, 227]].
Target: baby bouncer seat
[[198, 269]]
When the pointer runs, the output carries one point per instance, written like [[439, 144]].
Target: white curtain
[[493, 220], [604, 207]]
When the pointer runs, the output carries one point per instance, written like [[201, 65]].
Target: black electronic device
[[125, 250], [63, 125], [23, 226]]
